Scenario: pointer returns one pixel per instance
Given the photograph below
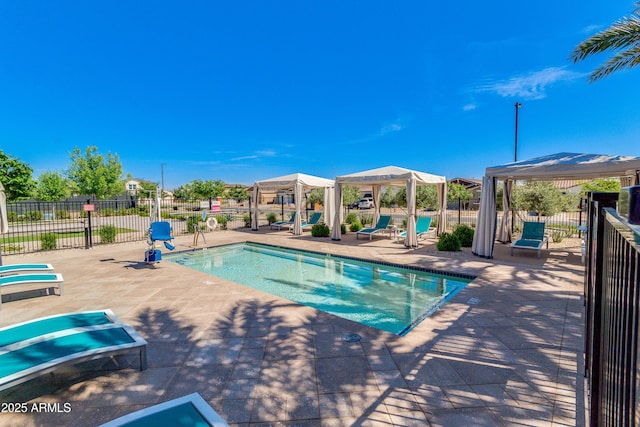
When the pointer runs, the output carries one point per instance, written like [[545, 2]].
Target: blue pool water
[[386, 297]]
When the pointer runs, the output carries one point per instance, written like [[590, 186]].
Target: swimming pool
[[389, 297]]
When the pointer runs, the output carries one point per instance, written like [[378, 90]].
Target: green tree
[[622, 38], [603, 185], [426, 197], [316, 196], [350, 194], [540, 197], [184, 192], [208, 189], [95, 175], [238, 193], [16, 177], [51, 187], [387, 198], [458, 193]]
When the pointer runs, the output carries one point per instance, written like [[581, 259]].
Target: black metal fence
[[612, 328]]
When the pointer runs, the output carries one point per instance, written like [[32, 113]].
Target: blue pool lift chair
[[161, 231]]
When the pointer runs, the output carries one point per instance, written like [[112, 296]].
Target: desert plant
[[222, 221], [271, 217], [320, 230], [351, 218], [355, 226], [34, 216], [464, 233], [448, 242], [63, 214], [48, 241], [12, 216], [343, 229], [557, 236], [366, 219], [247, 220], [108, 233]]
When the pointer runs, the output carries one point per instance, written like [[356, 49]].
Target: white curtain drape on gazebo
[[390, 176], [336, 230], [575, 166], [296, 182], [505, 226], [411, 240]]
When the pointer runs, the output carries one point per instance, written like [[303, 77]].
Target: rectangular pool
[[389, 297]]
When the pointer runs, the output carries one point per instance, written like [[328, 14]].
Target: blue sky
[[249, 90]]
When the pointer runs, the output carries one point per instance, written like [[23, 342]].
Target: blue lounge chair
[[37, 347], [6, 270], [312, 221], [382, 225], [188, 411], [31, 279], [423, 227], [281, 224], [532, 238]]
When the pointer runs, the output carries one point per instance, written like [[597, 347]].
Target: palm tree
[[623, 37]]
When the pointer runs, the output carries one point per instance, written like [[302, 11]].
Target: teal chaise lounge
[[532, 237], [423, 227], [40, 346], [281, 224], [25, 268], [382, 225], [187, 411], [31, 279]]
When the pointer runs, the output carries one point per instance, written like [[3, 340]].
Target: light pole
[[515, 151], [162, 178]]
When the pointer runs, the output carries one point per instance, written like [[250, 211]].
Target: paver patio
[[506, 351]]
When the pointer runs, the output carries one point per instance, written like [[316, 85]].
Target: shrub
[[192, 223], [355, 226], [366, 219], [351, 218], [247, 220], [33, 216], [12, 216], [48, 241], [143, 210], [108, 234], [271, 217], [320, 230], [557, 236], [107, 212], [222, 221], [448, 242], [464, 233], [343, 229], [63, 214]]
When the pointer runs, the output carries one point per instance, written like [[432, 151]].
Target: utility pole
[[515, 151], [162, 179]]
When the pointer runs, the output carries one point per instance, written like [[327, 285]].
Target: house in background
[[132, 186], [474, 186]]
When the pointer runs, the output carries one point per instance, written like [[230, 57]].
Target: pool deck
[[505, 351]]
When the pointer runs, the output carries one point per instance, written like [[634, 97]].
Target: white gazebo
[[4, 223], [297, 182], [398, 177], [547, 168]]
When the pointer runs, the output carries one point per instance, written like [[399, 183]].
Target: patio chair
[[191, 410], [382, 225], [40, 346], [31, 279], [281, 224], [423, 227], [6, 270], [312, 221], [532, 237]]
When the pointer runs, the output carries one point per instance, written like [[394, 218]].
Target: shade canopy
[[558, 166], [297, 182], [392, 176]]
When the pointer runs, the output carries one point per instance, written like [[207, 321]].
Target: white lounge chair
[[31, 279], [191, 410], [40, 346]]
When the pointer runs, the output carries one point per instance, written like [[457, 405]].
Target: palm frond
[[621, 34], [626, 59]]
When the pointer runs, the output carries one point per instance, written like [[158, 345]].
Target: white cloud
[[258, 154], [469, 107], [532, 85]]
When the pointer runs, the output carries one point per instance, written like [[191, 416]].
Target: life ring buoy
[[212, 223]]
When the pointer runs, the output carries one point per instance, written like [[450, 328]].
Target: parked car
[[354, 205], [366, 203]]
